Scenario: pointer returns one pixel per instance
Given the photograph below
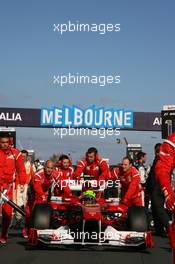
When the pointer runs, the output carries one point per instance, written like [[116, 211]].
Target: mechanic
[[45, 182], [11, 164], [140, 166], [94, 166], [37, 165], [44, 179], [131, 189], [64, 167], [159, 213], [21, 197], [163, 170]]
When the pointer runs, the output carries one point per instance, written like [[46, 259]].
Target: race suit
[[131, 189], [163, 170], [21, 197], [11, 164], [41, 185], [99, 169], [66, 173]]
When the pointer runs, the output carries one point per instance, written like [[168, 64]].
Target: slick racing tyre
[[42, 216], [137, 219]]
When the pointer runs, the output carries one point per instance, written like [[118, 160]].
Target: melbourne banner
[[74, 116], [91, 117]]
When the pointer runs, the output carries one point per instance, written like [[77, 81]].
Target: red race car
[[89, 219]]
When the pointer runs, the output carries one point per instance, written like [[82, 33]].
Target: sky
[[142, 53]]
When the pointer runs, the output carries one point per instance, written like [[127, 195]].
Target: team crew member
[[21, 197], [93, 165], [131, 190], [163, 170], [11, 164], [37, 166], [159, 213], [140, 166], [64, 167], [45, 180]]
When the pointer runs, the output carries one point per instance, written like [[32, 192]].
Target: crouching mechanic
[[163, 170], [45, 181], [11, 164], [131, 190], [94, 166]]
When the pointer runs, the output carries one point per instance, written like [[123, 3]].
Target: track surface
[[16, 253]]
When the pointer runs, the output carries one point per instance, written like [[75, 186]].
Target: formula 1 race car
[[88, 219]]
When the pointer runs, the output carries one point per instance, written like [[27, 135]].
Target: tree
[[55, 157]]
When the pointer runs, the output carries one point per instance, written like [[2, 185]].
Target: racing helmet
[[88, 197]]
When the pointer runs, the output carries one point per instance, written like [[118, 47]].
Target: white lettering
[[107, 118], [67, 121], [118, 118], [88, 117], [128, 119], [58, 117], [78, 117], [47, 117], [157, 121], [10, 116]]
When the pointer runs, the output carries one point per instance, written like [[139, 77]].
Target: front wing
[[110, 237]]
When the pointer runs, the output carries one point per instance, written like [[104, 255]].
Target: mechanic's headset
[[60, 161], [90, 150]]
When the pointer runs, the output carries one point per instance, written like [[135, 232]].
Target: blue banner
[[91, 117]]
